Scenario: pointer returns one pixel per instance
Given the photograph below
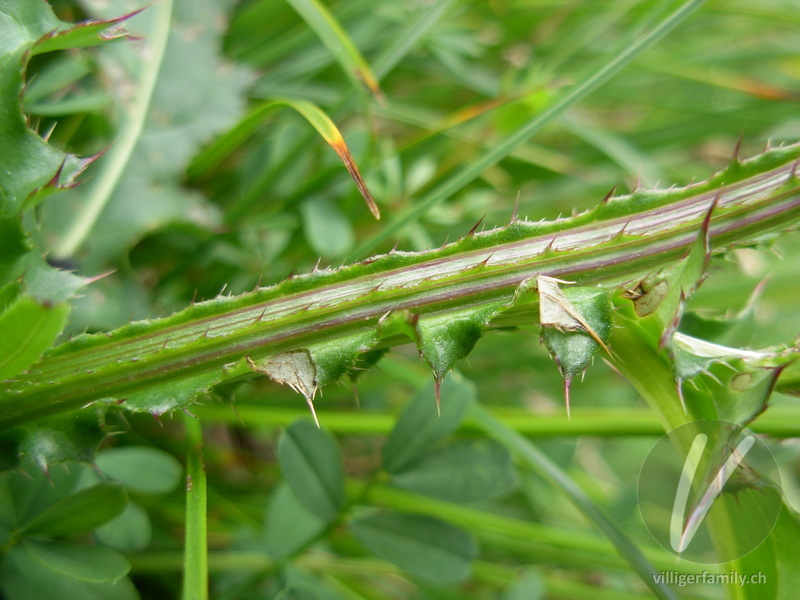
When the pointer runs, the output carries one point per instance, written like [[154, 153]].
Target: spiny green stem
[[618, 240]]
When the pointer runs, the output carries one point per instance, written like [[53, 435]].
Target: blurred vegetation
[[456, 79]]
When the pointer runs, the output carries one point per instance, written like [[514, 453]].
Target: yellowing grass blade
[[226, 144], [328, 130], [339, 44]]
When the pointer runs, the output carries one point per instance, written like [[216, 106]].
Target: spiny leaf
[[32, 28], [32, 168], [739, 382], [575, 321], [170, 395], [444, 340]]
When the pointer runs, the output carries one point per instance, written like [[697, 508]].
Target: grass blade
[[410, 36], [195, 558], [338, 44], [495, 155], [315, 117]]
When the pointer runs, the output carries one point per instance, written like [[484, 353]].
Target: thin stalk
[[778, 422], [195, 556], [118, 157]]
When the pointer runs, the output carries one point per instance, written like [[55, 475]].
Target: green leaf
[[290, 525], [29, 328], [575, 324], [130, 531], [463, 471], [425, 547], [735, 384], [660, 299], [312, 465], [419, 428], [308, 584], [86, 563], [13, 242], [79, 512], [34, 491], [58, 570], [141, 469]]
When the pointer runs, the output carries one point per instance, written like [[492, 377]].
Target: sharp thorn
[[313, 411], [437, 386], [485, 261], [737, 148], [796, 164], [679, 385], [515, 211], [475, 227], [608, 196], [567, 384]]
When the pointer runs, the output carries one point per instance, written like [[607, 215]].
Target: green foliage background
[[374, 505]]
